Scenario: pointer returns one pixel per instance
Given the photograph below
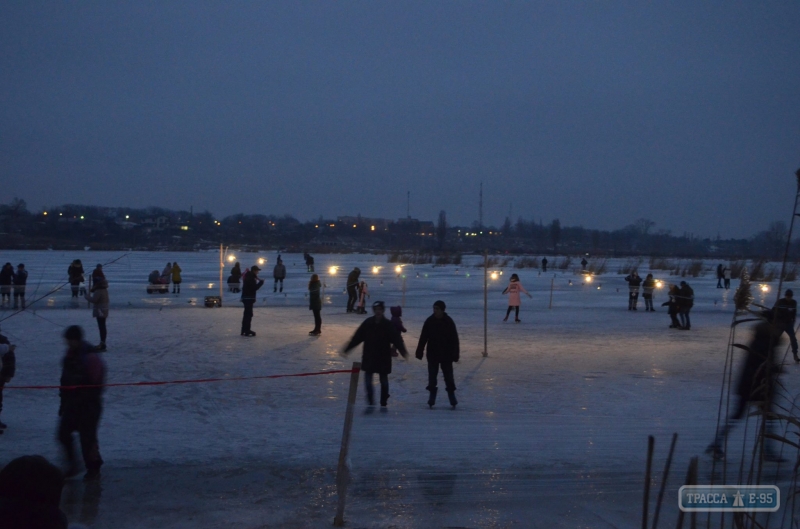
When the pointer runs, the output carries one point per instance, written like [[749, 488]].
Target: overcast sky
[[597, 113]]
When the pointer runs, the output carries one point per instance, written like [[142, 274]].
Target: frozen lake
[[551, 429]]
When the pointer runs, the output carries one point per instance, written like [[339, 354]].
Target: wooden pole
[[343, 473], [650, 445], [485, 303], [221, 271], [403, 302], [552, 284]]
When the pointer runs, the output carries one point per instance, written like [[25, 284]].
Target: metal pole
[[789, 238], [221, 267], [343, 473], [485, 303], [552, 284], [403, 303]]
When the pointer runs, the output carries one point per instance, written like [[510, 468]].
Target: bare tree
[[441, 229], [555, 234]]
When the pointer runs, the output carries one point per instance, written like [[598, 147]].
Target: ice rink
[[551, 430]]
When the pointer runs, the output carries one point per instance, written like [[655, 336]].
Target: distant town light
[[354, 225], [60, 214], [81, 217], [126, 216], [185, 228], [372, 228], [45, 213]]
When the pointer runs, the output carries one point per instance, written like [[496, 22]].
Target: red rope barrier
[[190, 381]]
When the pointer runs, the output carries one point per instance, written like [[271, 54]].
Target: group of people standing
[[723, 276], [172, 274], [648, 286], [13, 282]]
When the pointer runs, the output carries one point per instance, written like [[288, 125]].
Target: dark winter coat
[[648, 286], [634, 282], [720, 272], [9, 366], [441, 337], [279, 272], [397, 314], [378, 338], [673, 301], [6, 275], [75, 273], [759, 372], [236, 275], [21, 277], [685, 297], [250, 286], [16, 513], [352, 278], [82, 367], [315, 295], [785, 311]]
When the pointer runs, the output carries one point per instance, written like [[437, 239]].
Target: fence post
[[343, 473], [485, 303]]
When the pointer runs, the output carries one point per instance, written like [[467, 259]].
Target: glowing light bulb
[[398, 269], [495, 275], [231, 258], [659, 284], [332, 270], [261, 260], [764, 288], [376, 269], [588, 279]]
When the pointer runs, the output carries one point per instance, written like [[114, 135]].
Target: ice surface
[[551, 429]]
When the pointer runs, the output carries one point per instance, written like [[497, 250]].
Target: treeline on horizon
[[72, 226]]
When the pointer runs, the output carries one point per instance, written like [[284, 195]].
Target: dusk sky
[[596, 113]]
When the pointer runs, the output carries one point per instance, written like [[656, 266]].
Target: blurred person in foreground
[[83, 374], [757, 380]]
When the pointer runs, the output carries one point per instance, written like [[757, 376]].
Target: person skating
[[648, 287], [309, 262], [75, 273], [397, 321], [720, 275], [685, 304], [8, 368], [250, 286], [6, 280], [672, 307], [176, 278], [20, 284], [378, 335], [235, 278], [440, 336], [757, 381], [634, 282], [315, 303], [98, 296], [785, 317], [727, 275], [514, 289], [279, 274], [363, 294], [352, 289], [584, 263], [544, 264], [81, 407]]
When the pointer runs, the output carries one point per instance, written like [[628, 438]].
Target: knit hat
[[73, 332], [380, 304], [33, 479], [440, 304]]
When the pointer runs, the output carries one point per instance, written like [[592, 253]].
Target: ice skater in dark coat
[[441, 337], [757, 381], [378, 334], [250, 286], [785, 317]]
